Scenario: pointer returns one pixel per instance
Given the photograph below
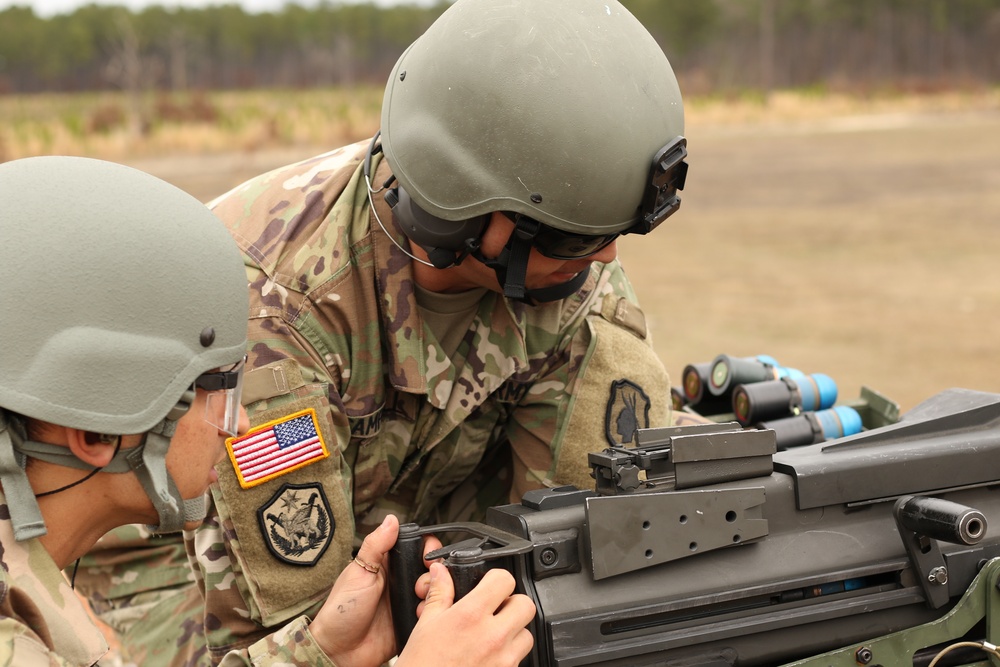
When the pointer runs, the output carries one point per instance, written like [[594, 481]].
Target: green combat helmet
[[564, 114], [120, 294]]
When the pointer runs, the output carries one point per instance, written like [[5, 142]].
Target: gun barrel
[[941, 519]]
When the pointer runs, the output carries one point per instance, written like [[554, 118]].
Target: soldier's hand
[[485, 628], [354, 625]]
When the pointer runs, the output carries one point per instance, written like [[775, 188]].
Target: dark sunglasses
[[557, 244]]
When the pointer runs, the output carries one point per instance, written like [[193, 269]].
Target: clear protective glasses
[[225, 390]]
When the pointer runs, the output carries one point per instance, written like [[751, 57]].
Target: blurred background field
[[841, 218], [857, 237], [189, 123]]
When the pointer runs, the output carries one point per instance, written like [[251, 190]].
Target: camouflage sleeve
[[255, 578], [291, 645], [275, 543], [607, 383]]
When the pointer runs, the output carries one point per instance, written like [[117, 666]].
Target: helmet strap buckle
[[511, 265]]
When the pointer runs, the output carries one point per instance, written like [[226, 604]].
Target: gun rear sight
[[678, 457]]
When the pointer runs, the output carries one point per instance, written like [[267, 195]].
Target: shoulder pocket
[[291, 535]]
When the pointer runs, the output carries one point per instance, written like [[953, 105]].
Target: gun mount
[[702, 546]]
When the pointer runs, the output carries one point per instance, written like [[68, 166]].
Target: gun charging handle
[[921, 522], [941, 519], [467, 562]]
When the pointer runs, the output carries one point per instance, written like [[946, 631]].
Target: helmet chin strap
[[147, 460], [25, 516], [511, 267]]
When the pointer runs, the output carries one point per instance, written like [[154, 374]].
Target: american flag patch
[[277, 447]]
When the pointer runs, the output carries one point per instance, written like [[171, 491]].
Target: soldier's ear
[[96, 449]]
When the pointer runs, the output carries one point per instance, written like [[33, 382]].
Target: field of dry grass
[[855, 237], [236, 122], [864, 247]]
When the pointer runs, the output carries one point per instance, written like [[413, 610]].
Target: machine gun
[[704, 546]]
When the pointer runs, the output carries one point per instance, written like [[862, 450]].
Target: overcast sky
[[50, 7]]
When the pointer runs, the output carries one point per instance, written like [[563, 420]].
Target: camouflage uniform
[[335, 328], [141, 585], [41, 620]]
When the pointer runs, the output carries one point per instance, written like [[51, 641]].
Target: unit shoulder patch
[[627, 411], [297, 524], [277, 447]]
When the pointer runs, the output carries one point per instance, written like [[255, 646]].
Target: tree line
[[714, 45]]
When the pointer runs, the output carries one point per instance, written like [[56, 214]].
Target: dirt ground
[[866, 248]]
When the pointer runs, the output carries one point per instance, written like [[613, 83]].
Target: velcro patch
[[625, 314], [627, 411], [276, 448], [297, 523]]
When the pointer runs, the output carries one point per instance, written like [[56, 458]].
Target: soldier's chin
[[555, 279]]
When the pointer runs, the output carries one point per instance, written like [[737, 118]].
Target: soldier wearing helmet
[[444, 298], [120, 379]]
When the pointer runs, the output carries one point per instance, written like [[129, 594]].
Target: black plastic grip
[[405, 567], [466, 567], [466, 561]]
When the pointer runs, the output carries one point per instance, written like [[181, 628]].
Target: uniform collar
[[401, 322], [416, 364]]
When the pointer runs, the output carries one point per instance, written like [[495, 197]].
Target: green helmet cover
[[118, 291], [550, 109]]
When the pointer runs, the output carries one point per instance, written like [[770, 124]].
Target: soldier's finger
[[521, 644], [431, 543], [517, 610], [423, 585], [372, 554], [440, 592], [491, 591]]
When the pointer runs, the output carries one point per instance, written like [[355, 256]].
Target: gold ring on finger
[[374, 569]]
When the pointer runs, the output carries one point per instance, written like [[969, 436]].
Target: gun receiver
[[703, 546]]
